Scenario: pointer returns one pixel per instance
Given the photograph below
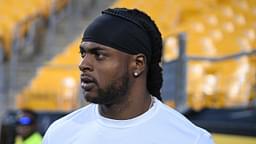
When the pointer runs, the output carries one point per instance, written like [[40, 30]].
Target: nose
[[85, 64]]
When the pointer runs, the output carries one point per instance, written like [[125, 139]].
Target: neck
[[134, 105]]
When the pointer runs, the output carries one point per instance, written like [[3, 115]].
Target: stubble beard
[[112, 94]]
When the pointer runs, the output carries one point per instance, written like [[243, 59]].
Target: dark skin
[[25, 130], [105, 69]]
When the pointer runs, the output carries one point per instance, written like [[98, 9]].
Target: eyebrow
[[90, 50]]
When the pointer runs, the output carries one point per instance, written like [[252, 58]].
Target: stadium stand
[[216, 30], [220, 60], [25, 68], [56, 85], [20, 17]]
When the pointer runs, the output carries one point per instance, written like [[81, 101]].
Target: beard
[[113, 93]]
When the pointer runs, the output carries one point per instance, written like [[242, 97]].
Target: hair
[[154, 75]]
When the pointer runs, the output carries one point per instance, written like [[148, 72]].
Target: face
[[25, 130], [104, 73]]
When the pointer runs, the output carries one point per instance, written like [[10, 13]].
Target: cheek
[[110, 72], [23, 130]]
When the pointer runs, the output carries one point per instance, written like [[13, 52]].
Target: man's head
[[120, 49], [26, 123]]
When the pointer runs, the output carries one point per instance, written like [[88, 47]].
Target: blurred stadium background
[[209, 60]]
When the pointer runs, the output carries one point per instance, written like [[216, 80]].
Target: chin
[[96, 99], [90, 96]]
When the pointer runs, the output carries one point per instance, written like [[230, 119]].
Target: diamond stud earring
[[135, 74]]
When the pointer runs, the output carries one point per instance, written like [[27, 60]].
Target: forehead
[[88, 46], [91, 45]]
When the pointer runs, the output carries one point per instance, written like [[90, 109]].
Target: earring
[[135, 74]]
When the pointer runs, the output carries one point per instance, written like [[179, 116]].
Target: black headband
[[119, 32]]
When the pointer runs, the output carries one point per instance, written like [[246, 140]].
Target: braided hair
[[154, 75]]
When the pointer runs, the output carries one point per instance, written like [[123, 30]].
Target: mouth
[[87, 83], [87, 86]]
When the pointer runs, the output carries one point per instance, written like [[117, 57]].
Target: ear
[[139, 64]]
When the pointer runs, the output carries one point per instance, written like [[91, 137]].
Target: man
[[26, 128], [121, 76]]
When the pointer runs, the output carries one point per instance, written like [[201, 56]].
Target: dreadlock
[[154, 75]]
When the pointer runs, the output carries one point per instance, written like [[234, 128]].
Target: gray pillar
[[181, 75], [1, 70]]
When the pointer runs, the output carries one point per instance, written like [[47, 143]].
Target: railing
[[223, 58], [23, 48], [2, 81], [53, 87], [1, 68], [175, 73]]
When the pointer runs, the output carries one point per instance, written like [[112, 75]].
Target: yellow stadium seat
[[170, 48], [215, 28], [22, 14], [8, 28], [1, 47], [231, 83], [158, 10], [56, 86], [11, 19], [196, 71], [60, 4]]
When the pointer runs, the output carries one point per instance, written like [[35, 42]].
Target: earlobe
[[140, 63], [136, 74]]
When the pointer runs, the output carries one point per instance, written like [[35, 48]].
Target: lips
[[87, 86], [87, 82]]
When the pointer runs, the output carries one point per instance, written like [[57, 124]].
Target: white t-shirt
[[159, 125]]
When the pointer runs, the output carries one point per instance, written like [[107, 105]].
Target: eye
[[82, 53], [99, 56]]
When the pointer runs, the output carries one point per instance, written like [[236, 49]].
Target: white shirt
[[159, 125]]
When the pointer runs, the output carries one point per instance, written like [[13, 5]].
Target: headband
[[119, 32]]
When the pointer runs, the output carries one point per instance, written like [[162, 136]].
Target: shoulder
[[70, 120], [181, 125], [74, 116]]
